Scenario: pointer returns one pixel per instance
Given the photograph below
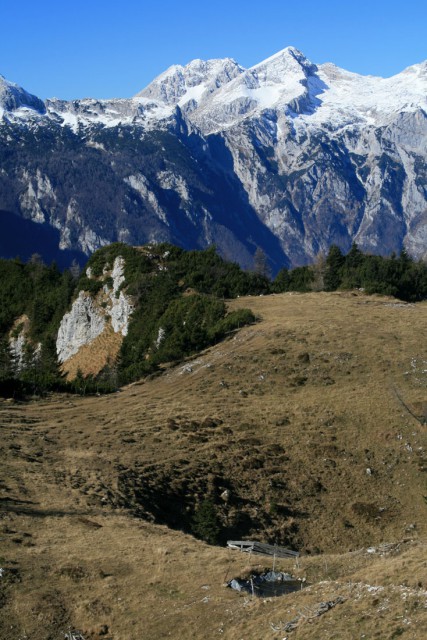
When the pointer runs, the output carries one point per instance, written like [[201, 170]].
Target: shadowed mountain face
[[287, 156], [163, 186], [22, 238]]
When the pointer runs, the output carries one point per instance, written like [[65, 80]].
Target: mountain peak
[[181, 84], [287, 52], [286, 59], [12, 97]]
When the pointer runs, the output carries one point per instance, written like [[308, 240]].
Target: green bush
[[187, 324], [206, 524], [231, 322]]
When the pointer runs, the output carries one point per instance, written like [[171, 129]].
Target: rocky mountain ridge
[[288, 156]]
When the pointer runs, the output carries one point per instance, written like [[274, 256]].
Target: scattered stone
[[308, 615]]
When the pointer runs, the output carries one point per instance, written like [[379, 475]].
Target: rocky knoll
[[90, 317]]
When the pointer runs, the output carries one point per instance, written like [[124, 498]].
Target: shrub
[[206, 524]]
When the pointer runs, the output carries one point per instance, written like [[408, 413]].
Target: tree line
[[179, 301], [397, 275]]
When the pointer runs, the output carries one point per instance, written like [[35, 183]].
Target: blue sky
[[114, 49]]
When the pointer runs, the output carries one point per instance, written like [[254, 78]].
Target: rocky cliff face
[[288, 156], [82, 325], [92, 319], [23, 350]]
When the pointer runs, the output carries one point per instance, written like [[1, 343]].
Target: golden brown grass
[[93, 357], [309, 394]]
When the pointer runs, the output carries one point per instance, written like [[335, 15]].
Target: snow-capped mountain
[[291, 85], [188, 86], [287, 155], [13, 98]]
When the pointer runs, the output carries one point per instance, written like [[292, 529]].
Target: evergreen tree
[[301, 279], [206, 524], [5, 360], [351, 271], [334, 263], [30, 370], [50, 375], [282, 281]]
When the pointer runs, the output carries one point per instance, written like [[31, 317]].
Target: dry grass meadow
[[301, 417]]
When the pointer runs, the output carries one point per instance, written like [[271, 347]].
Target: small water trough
[[269, 584]]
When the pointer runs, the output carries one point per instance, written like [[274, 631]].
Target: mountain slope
[[297, 417], [287, 155]]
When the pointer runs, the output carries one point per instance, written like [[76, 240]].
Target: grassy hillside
[[300, 417]]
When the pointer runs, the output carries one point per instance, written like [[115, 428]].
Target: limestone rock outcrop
[[91, 317]]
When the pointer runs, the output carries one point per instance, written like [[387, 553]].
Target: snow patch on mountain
[[180, 85], [107, 113]]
